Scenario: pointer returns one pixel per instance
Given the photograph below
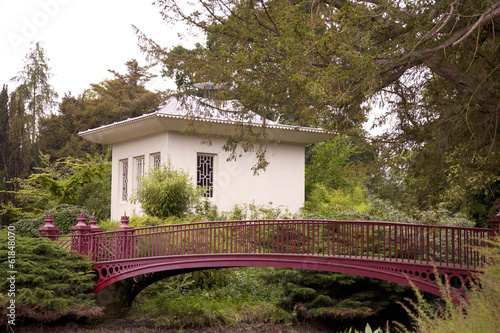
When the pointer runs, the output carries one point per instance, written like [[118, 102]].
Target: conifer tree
[[4, 127], [35, 86]]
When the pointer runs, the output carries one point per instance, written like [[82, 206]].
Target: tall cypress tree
[[20, 156], [4, 145], [4, 126], [37, 92]]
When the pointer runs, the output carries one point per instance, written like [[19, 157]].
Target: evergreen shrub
[[50, 283]]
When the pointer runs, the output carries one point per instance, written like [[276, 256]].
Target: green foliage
[[341, 204], [64, 218], [50, 283], [165, 192], [35, 87], [333, 165], [108, 224], [83, 182], [368, 329], [112, 100], [182, 302], [356, 204], [149, 221], [256, 212], [478, 314], [331, 296]]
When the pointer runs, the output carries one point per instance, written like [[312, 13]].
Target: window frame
[[124, 180], [210, 187], [155, 160], [139, 170]]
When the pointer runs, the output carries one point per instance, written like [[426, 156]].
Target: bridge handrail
[[416, 243], [278, 221]]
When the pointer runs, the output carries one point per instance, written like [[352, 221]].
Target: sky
[[82, 39]]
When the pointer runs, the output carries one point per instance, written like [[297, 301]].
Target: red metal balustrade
[[410, 243]]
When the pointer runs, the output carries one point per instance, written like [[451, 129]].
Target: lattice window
[[124, 167], [156, 160], [139, 168], [205, 174]]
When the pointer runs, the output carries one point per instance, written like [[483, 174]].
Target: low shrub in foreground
[[50, 283]]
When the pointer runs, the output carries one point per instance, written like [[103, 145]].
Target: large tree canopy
[[435, 65]]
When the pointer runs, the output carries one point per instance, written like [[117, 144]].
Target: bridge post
[[79, 235], [95, 241], [93, 224], [495, 225], [124, 243], [49, 230]]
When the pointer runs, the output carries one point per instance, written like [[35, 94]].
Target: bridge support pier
[[116, 298]]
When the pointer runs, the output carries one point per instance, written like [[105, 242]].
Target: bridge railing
[[425, 244]]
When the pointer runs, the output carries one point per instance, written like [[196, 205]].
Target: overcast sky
[[82, 38]]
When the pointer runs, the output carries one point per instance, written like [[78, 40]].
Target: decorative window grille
[[139, 165], [156, 160], [124, 164], [205, 174]]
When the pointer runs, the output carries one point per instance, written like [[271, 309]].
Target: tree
[[21, 157], [4, 147], [84, 182], [4, 128], [330, 55], [35, 87], [109, 101], [435, 65]]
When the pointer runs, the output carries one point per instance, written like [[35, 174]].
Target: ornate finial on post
[[125, 244], [79, 241], [80, 221], [93, 224], [124, 226], [48, 230]]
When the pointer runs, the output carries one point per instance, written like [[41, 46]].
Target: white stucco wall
[[234, 182]]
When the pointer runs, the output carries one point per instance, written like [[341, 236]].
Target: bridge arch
[[146, 271]]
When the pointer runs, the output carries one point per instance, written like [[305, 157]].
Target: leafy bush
[[65, 217], [341, 204], [50, 283], [108, 225], [72, 181], [147, 221], [332, 165], [165, 192]]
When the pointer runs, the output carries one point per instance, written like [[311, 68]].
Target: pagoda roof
[[201, 116]]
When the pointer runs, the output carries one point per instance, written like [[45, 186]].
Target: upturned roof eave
[[129, 129]]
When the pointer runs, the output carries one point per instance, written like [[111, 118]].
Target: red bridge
[[422, 255]]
